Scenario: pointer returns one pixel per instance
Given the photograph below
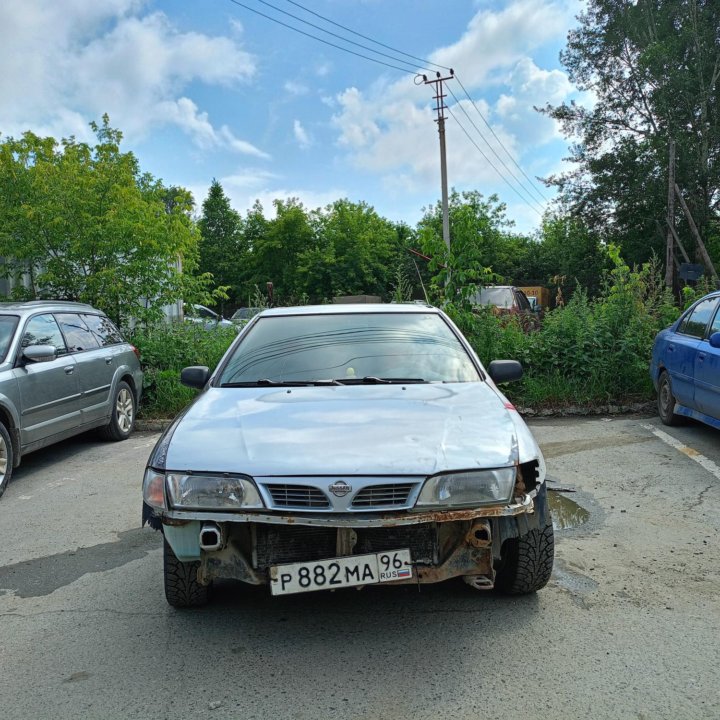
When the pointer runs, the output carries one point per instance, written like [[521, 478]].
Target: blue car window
[[696, 322], [715, 327]]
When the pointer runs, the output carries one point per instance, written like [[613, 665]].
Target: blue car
[[685, 365]]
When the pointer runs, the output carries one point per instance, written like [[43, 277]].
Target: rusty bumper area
[[522, 505], [462, 548]]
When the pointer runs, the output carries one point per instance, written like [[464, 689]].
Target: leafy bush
[[588, 351], [164, 351]]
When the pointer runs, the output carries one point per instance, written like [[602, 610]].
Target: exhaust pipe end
[[211, 537]]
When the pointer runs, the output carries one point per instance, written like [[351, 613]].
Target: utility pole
[[670, 235], [701, 245], [440, 110]]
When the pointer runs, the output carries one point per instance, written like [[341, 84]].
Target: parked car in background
[[209, 319], [685, 365], [504, 298], [349, 445], [243, 315], [64, 368]]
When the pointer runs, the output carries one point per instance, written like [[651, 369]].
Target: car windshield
[[499, 297], [245, 313], [349, 348], [8, 323]]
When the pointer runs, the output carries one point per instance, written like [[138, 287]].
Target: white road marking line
[[693, 454]]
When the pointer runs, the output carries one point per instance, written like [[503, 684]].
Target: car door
[[707, 371], [49, 392], [680, 355], [95, 365]]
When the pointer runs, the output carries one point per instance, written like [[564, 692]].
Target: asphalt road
[[629, 626]]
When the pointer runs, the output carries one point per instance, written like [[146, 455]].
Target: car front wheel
[[527, 563], [122, 417], [666, 401], [182, 588], [6, 458]]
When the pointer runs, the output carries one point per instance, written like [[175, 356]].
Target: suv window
[[77, 333], [696, 322], [8, 323], [43, 330], [499, 297], [105, 332]]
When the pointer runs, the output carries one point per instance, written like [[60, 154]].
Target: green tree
[[652, 67], [354, 252], [87, 225], [222, 243]]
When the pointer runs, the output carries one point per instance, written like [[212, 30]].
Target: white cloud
[[293, 87], [389, 129], [301, 136], [75, 60]]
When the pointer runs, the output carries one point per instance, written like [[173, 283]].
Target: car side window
[[697, 320], [77, 333], [43, 330], [523, 302], [103, 329], [715, 327]]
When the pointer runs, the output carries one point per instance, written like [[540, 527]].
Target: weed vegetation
[[587, 352]]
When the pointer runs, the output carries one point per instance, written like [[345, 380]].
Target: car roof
[[350, 308], [52, 305]]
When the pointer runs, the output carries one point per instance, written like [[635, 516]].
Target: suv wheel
[[6, 458], [122, 417], [182, 588], [666, 401]]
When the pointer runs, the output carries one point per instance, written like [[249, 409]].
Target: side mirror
[[40, 353], [502, 371], [714, 340], [195, 376]]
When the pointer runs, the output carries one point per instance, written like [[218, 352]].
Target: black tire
[[527, 562], [666, 401], [182, 590], [122, 416], [6, 458]]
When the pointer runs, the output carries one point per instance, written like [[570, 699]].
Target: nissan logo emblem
[[340, 488]]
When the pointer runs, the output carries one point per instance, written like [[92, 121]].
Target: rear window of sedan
[[8, 323], [349, 347]]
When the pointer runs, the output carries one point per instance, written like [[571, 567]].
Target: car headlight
[[468, 488], [212, 492]]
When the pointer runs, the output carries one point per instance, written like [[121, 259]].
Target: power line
[[326, 42], [527, 200], [467, 94], [504, 164], [365, 37], [329, 32], [500, 175]]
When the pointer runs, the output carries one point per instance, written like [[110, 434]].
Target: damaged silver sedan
[[339, 446]]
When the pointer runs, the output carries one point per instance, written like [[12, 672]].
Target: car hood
[[413, 429]]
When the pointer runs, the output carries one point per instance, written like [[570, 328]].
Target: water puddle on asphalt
[[566, 513]]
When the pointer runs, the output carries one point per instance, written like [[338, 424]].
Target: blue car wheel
[[666, 401]]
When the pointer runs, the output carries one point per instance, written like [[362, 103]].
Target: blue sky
[[209, 89]]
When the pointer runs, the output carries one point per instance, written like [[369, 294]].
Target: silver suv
[[64, 368]]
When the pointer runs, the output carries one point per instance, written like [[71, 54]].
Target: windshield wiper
[[281, 383], [373, 380]]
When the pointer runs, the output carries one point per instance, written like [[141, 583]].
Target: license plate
[[341, 572]]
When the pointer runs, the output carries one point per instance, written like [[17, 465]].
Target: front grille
[[297, 496], [279, 544], [391, 495], [420, 539]]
